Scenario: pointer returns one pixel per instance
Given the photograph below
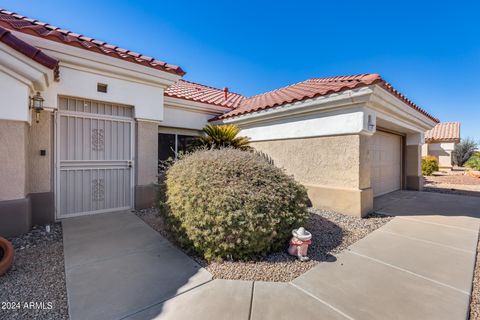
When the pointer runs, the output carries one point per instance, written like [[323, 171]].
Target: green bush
[[232, 204], [463, 151], [429, 165], [474, 161], [222, 136]]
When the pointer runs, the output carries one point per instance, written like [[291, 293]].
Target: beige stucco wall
[[335, 169], [413, 167], [40, 137], [13, 149], [329, 161], [147, 152], [442, 151]]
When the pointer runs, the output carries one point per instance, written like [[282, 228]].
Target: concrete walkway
[[116, 265], [418, 266]]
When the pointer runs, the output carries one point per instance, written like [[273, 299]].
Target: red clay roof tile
[[30, 51], [444, 132], [192, 91], [13, 21], [313, 88]]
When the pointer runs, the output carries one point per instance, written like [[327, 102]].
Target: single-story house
[[440, 143], [83, 124]]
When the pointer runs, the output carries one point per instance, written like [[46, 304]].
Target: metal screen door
[[94, 155]]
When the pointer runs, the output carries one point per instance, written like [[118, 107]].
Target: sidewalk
[[414, 267]]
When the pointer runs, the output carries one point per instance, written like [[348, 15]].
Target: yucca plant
[[223, 136], [463, 151]]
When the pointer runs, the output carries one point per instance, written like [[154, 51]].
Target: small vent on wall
[[102, 87]]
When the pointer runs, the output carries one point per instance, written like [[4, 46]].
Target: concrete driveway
[[418, 266], [413, 203]]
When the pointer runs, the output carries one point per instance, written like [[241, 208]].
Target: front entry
[[94, 156]]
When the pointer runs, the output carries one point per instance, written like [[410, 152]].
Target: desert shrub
[[429, 165], [474, 161], [463, 151], [232, 204]]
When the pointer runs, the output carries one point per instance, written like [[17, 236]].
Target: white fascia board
[[406, 124], [388, 104], [193, 106], [79, 57], [447, 146], [24, 69], [341, 121], [347, 98]]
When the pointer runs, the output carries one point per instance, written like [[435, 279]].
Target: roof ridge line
[[325, 78], [210, 87]]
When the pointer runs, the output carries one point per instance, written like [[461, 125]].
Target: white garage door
[[386, 151]]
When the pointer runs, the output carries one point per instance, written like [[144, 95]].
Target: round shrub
[[429, 165], [232, 204]]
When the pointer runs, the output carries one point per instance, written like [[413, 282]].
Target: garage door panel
[[386, 155]]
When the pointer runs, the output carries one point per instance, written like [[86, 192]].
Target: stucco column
[[40, 169], [413, 162], [146, 164], [14, 205]]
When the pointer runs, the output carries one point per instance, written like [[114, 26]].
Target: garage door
[[386, 151]]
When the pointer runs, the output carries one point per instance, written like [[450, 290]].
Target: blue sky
[[430, 51]]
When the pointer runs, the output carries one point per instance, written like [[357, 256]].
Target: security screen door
[[94, 157]]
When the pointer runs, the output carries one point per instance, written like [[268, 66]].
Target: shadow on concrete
[[117, 266], [415, 203]]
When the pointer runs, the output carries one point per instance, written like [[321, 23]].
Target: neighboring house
[[440, 143], [110, 114]]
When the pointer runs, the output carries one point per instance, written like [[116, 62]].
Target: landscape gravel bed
[[35, 286], [453, 178], [332, 233], [453, 183], [475, 298]]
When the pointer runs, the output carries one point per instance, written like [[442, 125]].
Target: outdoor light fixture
[[36, 103], [371, 125]]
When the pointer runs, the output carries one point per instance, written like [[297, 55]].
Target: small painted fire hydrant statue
[[299, 243]]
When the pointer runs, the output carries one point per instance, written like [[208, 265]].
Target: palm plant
[[223, 136], [463, 151]]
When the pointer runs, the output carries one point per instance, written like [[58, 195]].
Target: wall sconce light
[[371, 125], [36, 103]]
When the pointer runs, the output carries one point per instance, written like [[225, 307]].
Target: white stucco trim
[[394, 108], [181, 131], [348, 112], [24, 69], [323, 103], [335, 122], [148, 120], [446, 146], [193, 106], [181, 113]]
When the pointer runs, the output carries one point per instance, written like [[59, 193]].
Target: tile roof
[[444, 132], [192, 91], [30, 51], [313, 88], [13, 21]]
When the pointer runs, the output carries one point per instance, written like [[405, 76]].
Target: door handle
[[129, 164]]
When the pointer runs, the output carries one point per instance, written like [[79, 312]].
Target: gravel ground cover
[[332, 233], [35, 286], [475, 299], [453, 178], [453, 183]]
